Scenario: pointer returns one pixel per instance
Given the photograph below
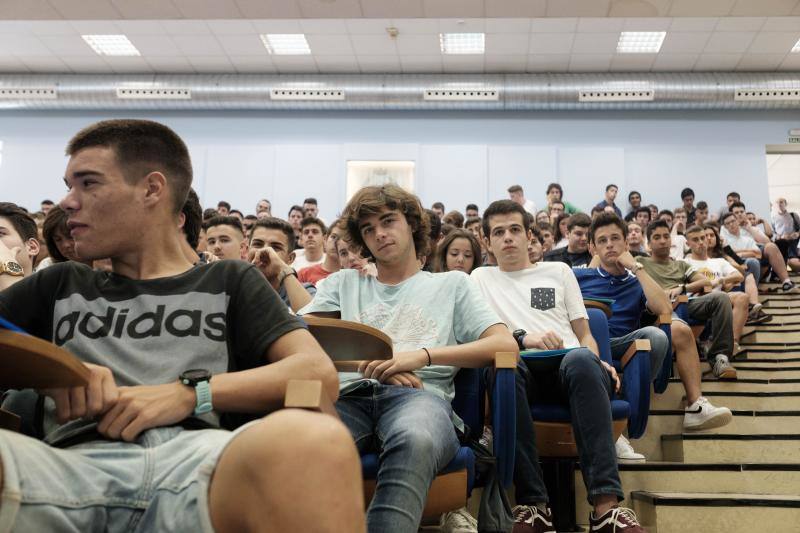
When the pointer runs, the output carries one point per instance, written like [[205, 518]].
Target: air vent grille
[[760, 95], [306, 94], [165, 93], [462, 95], [29, 93], [616, 96]]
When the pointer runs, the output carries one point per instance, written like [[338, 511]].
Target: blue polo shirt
[[625, 290]]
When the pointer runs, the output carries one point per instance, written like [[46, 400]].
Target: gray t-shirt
[[221, 316]]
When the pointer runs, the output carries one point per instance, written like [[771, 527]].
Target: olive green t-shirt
[[667, 275]]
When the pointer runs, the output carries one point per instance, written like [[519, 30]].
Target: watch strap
[[202, 392]]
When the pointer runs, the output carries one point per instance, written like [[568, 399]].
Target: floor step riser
[[753, 403], [732, 451], [679, 519]]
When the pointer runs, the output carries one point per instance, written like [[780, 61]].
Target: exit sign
[[794, 140]]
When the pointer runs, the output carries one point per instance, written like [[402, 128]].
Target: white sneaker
[[722, 368], [487, 439], [702, 415], [626, 453], [458, 521]]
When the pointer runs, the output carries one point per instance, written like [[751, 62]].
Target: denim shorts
[[158, 483]]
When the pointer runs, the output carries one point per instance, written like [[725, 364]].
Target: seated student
[[543, 304], [247, 224], [635, 202], [438, 208], [59, 242], [739, 236], [555, 209], [576, 253], [473, 225], [636, 244], [653, 208], [312, 240], [350, 257], [264, 206], [295, 218], [225, 238], [723, 278], [191, 222], [454, 218], [787, 233], [555, 193], [437, 323], [544, 216], [535, 251], [729, 200], [643, 217], [139, 447], [608, 199], [701, 213], [687, 197], [760, 224], [560, 231], [678, 228], [472, 211], [316, 273], [19, 243], [756, 314], [676, 277], [546, 234], [223, 208], [459, 250], [596, 210], [270, 250]]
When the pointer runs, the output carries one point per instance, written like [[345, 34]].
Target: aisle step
[[788, 335], [731, 448], [719, 394], [714, 512]]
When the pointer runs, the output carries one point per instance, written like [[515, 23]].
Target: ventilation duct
[[502, 92]]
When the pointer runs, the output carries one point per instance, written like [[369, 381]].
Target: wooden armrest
[[347, 342], [308, 394], [598, 305], [505, 360], [27, 362], [665, 318], [681, 299], [639, 345], [9, 421]]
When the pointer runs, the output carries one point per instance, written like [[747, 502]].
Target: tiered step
[[731, 448]]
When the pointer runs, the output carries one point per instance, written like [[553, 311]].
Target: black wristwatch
[[519, 336]]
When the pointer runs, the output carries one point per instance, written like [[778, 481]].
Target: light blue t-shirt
[[426, 310]]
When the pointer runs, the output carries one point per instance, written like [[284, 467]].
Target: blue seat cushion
[[620, 410], [464, 459]]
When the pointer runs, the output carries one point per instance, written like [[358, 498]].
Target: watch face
[[14, 268], [196, 375]]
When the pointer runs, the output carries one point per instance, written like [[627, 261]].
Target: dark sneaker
[[616, 520], [789, 286], [757, 316], [529, 519]]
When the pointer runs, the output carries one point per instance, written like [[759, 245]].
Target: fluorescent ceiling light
[[111, 45], [286, 44], [462, 43], [796, 47], [640, 42]]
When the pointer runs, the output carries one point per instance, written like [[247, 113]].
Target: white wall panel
[[585, 171], [454, 175], [533, 167], [315, 170]]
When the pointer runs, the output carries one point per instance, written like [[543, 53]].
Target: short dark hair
[[47, 202], [313, 221], [503, 207], [472, 220], [643, 210], [608, 187], [701, 205], [232, 211], [607, 219], [56, 221], [558, 202], [555, 186], [193, 219], [312, 201], [209, 213], [686, 192], [436, 225], [544, 226], [223, 203], [472, 207], [580, 220], [141, 147], [666, 212], [222, 220], [20, 220], [515, 188], [251, 217], [726, 216], [536, 233], [733, 194], [455, 218], [736, 204], [294, 208], [694, 229], [632, 193], [438, 205], [278, 224], [654, 225]]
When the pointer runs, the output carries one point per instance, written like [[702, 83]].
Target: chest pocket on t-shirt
[[543, 299]]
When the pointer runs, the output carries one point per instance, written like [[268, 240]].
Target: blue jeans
[[753, 267], [413, 434], [658, 346]]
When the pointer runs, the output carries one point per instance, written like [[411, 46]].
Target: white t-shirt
[[712, 268], [530, 207], [563, 243], [301, 262], [743, 241], [782, 223], [543, 297], [678, 248]]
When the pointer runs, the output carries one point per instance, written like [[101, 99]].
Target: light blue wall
[[461, 157]]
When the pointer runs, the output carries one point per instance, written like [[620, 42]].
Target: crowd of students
[[187, 321]]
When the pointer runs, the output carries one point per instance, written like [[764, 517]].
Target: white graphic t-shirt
[[712, 268]]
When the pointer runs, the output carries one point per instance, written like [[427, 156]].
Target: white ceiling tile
[[140, 27], [760, 62], [508, 43], [416, 26], [462, 25], [231, 27], [452, 8], [677, 42], [674, 62], [421, 64], [67, 45], [295, 64], [781, 24], [774, 8], [790, 62], [95, 27], [418, 45], [314, 9], [717, 62], [333, 45], [374, 45], [155, 45], [337, 64], [367, 26], [505, 63], [740, 23], [595, 43], [554, 25], [242, 45], [88, 65], [516, 8], [551, 43], [129, 65], [706, 24], [379, 64], [186, 27], [46, 64], [577, 8], [208, 9], [323, 26], [30, 9], [647, 24], [211, 64], [198, 45], [706, 8], [85, 9], [600, 25], [264, 9], [146, 9], [15, 27], [462, 64], [174, 64], [548, 63], [50, 27], [639, 8], [253, 64], [391, 9], [277, 26], [590, 62], [773, 42], [632, 62], [729, 42], [506, 25], [12, 65], [24, 45]]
